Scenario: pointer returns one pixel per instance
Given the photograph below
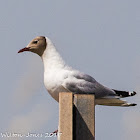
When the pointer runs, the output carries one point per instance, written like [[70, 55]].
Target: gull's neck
[[51, 58]]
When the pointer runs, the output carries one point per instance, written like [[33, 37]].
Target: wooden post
[[84, 117], [65, 116], [76, 116]]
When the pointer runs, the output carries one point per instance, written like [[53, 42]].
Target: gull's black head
[[37, 45]]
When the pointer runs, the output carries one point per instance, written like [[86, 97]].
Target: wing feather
[[81, 83]]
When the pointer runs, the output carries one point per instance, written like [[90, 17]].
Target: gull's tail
[[112, 100]]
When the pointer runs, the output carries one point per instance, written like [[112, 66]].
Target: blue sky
[[100, 38]]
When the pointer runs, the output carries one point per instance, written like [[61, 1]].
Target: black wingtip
[[125, 93], [134, 93]]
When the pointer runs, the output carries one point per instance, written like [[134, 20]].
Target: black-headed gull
[[59, 77]]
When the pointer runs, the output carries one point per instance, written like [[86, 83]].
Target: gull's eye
[[35, 41]]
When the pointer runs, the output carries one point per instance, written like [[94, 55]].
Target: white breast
[[53, 82], [55, 70]]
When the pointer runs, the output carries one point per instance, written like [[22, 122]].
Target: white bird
[[59, 77]]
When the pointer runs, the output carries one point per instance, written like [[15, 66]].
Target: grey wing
[[84, 84]]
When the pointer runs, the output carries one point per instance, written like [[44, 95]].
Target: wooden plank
[[65, 116], [84, 117], [76, 116]]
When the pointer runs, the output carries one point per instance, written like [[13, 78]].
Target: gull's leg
[[55, 132]]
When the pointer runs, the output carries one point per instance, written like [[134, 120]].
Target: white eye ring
[[35, 41]]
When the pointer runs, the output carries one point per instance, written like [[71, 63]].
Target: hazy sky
[[100, 38]]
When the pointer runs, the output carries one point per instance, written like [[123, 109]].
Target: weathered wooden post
[[65, 116], [76, 116]]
